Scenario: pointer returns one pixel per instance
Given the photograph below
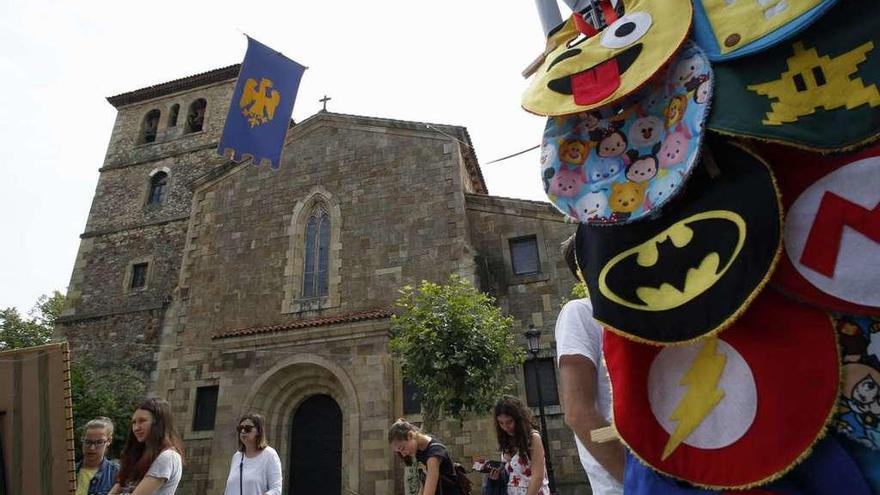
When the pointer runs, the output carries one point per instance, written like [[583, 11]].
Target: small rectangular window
[[524, 255], [206, 408], [412, 398], [139, 275], [547, 379]]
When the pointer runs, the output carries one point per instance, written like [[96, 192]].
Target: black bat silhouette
[[709, 235]]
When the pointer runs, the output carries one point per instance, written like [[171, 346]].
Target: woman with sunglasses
[[152, 459], [256, 467]]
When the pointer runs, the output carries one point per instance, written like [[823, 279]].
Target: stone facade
[[223, 307]]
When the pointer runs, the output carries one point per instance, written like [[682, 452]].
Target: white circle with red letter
[[832, 233]]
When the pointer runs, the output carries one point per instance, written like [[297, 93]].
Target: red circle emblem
[[832, 228], [730, 411]]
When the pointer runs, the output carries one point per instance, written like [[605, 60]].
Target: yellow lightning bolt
[[701, 397]]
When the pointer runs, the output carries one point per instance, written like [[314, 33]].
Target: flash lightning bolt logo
[[702, 395]]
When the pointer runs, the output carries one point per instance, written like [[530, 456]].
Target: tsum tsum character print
[[653, 104], [675, 147], [591, 206], [573, 151], [611, 142], [702, 91], [663, 187], [645, 131], [587, 122], [675, 110], [567, 182], [642, 168], [688, 69], [548, 152], [626, 197], [558, 126], [548, 157], [604, 170]]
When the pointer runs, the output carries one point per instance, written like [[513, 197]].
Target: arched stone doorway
[[280, 392], [316, 447]]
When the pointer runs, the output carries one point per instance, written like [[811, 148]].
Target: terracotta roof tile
[[167, 88], [314, 322]]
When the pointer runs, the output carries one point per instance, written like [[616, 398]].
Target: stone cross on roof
[[324, 100]]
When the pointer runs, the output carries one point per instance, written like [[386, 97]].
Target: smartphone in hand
[[486, 466]]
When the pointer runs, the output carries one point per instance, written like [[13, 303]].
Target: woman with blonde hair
[[436, 469]]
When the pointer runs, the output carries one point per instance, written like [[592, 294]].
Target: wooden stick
[[605, 434]]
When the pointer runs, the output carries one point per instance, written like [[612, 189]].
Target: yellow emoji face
[[592, 67]]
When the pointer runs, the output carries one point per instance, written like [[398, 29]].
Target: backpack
[[464, 483]]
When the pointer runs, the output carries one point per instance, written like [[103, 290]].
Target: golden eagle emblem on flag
[[258, 103]]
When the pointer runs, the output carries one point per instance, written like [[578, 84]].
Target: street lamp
[[533, 339]]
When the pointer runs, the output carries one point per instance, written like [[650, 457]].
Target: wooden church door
[[316, 447]]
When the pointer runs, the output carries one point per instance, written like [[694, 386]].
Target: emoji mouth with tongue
[[598, 82], [591, 62]]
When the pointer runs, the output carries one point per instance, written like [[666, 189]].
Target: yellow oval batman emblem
[[642, 272], [590, 67]]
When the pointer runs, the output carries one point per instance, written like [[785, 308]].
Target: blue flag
[[259, 114]]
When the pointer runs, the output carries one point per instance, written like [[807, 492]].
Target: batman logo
[[693, 268], [676, 265]]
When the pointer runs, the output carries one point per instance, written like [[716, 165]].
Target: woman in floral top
[[521, 448]]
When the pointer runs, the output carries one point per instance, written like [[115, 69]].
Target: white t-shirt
[[578, 334], [167, 466], [261, 474]]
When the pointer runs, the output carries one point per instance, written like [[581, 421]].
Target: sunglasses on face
[[245, 428], [93, 443]]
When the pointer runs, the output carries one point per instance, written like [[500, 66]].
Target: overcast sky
[[449, 62]]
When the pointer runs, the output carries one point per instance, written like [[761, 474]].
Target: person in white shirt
[[584, 387], [151, 461], [256, 467]]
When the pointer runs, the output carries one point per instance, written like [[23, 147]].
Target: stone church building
[[237, 288]]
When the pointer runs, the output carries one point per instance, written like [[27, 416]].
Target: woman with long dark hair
[[521, 448], [256, 467], [437, 471], [152, 459]]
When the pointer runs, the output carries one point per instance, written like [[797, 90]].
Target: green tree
[[455, 345], [114, 393], [17, 332]]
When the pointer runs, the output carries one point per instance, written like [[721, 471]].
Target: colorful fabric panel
[[818, 91], [731, 29], [612, 167], [690, 271], [733, 411], [596, 62], [858, 416], [830, 470], [832, 228]]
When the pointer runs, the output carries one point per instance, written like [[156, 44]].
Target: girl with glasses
[[256, 467], [152, 459], [95, 474]]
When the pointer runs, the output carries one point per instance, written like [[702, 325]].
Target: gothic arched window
[[317, 254], [158, 186]]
